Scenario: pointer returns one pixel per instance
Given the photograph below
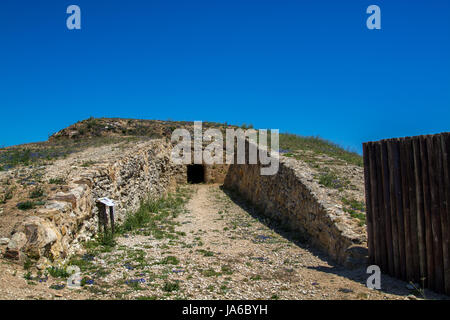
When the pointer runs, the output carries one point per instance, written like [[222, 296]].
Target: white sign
[[106, 201]]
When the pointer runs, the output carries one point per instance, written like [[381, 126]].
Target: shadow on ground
[[389, 284]]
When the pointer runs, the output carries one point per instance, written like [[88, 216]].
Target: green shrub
[[210, 273], [15, 156], [57, 181], [360, 216], [87, 164], [56, 272], [356, 209], [354, 204], [332, 180], [28, 264], [227, 270], [107, 239], [153, 214], [36, 193], [206, 253], [147, 298], [27, 205], [170, 260], [171, 286]]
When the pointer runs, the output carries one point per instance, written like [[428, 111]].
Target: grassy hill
[[101, 131]]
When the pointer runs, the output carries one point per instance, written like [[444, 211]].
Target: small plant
[[7, 196], [36, 193], [153, 215], [360, 216], [330, 179], [256, 277], [354, 204], [245, 126], [135, 284], [57, 181], [57, 286], [56, 272], [88, 163], [170, 260], [107, 240], [16, 156], [27, 276], [356, 209], [147, 298], [28, 264], [27, 205], [417, 290], [171, 286], [210, 273], [227, 270], [206, 253]]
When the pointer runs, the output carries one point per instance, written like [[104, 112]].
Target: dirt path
[[214, 248], [263, 263]]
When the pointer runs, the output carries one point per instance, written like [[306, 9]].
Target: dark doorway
[[195, 173]]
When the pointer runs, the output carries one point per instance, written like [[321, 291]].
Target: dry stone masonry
[[128, 176], [293, 198], [71, 216]]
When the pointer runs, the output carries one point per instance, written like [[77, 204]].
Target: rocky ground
[[340, 181], [32, 184], [211, 245]]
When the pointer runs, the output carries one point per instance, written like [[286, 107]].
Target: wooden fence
[[407, 184]]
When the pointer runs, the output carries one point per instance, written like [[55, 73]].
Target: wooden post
[[427, 211], [111, 218], [399, 207], [406, 211], [445, 146], [381, 214], [442, 207], [435, 218], [412, 210], [387, 208], [420, 219], [369, 214], [104, 217], [396, 235], [375, 205]]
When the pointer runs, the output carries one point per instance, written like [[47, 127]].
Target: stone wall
[[295, 200], [216, 173], [71, 216], [127, 176]]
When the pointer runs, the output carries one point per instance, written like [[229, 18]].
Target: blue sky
[[307, 67]]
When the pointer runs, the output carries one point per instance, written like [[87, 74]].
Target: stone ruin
[[290, 197]]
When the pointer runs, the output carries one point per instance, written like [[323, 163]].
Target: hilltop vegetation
[[319, 146], [95, 132]]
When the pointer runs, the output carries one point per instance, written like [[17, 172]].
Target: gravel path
[[221, 250], [264, 262]]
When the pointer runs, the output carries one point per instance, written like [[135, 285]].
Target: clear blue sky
[[307, 67]]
